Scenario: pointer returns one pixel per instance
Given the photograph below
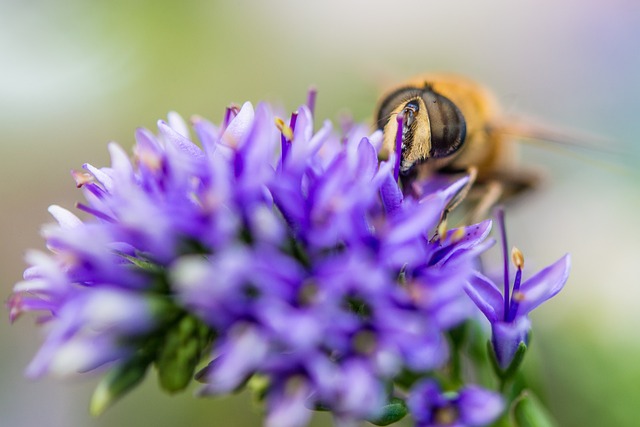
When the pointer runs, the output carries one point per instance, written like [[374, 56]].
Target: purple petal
[[286, 407], [486, 296], [442, 188], [361, 393], [65, 218], [83, 355], [243, 352], [299, 152], [376, 139], [240, 126], [120, 162], [423, 399], [479, 407], [391, 194], [304, 125], [207, 133], [147, 140], [421, 218], [452, 312], [179, 141], [425, 351], [506, 337], [257, 151], [64, 356], [544, 285], [470, 237], [299, 330], [177, 123], [100, 176], [367, 160], [108, 310]]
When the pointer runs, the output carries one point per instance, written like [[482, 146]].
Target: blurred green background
[[77, 74]]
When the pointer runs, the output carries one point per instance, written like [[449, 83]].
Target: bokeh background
[[76, 74]]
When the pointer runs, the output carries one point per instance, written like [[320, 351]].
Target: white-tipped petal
[[64, 217]]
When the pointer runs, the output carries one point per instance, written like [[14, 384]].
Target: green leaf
[[117, 382], [529, 412], [392, 412]]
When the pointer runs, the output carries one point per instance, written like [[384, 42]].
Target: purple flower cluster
[[293, 254]]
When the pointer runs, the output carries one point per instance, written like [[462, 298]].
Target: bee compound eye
[[448, 127], [410, 110], [391, 102]]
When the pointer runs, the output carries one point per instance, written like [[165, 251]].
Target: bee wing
[[536, 133], [595, 150]]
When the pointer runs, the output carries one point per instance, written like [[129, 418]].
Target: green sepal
[[391, 413], [295, 248], [164, 310], [529, 412], [181, 352], [406, 378], [157, 273], [258, 384], [143, 264], [117, 382], [508, 373]]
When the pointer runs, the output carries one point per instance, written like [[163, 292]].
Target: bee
[[452, 125]]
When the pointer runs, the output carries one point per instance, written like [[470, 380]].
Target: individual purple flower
[[471, 406], [508, 311], [292, 254]]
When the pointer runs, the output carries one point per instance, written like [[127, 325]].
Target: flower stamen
[[442, 230], [230, 113], [286, 137], [148, 158], [94, 212], [287, 131], [446, 415], [82, 178], [458, 234], [15, 306], [517, 296], [517, 258], [364, 342]]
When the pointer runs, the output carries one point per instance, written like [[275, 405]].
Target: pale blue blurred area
[[75, 75]]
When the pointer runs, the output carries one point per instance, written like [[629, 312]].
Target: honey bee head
[[432, 127]]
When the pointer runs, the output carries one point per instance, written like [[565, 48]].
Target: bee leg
[[500, 187], [472, 173], [517, 182], [492, 194]]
